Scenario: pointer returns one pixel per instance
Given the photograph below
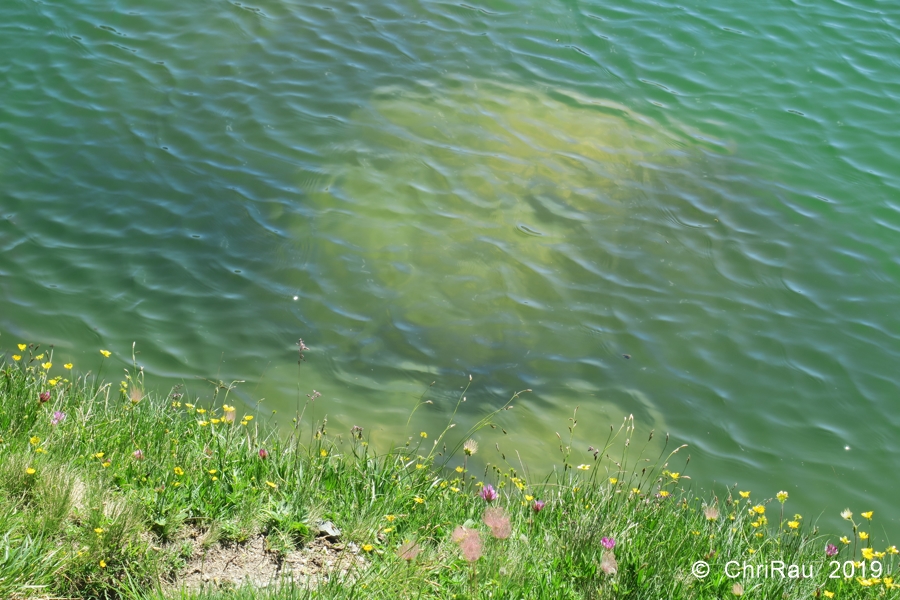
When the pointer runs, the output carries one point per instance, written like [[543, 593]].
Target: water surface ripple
[[527, 193]]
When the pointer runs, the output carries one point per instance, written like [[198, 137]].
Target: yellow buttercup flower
[[583, 467], [868, 553], [863, 535], [459, 469], [47, 365], [34, 441], [418, 500], [39, 356], [102, 564], [368, 547], [179, 471], [22, 347], [30, 471], [68, 366], [782, 496], [845, 540], [16, 357], [98, 530], [744, 494], [98, 455], [105, 353], [664, 493], [793, 524], [758, 509], [271, 485], [423, 435], [323, 452], [389, 518], [420, 466], [828, 594], [868, 515]]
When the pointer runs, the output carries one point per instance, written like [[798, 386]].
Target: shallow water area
[[673, 211]]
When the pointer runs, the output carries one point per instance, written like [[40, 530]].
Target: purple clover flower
[[138, 454], [44, 397], [57, 418], [830, 549], [488, 493], [607, 543], [538, 506], [263, 453]]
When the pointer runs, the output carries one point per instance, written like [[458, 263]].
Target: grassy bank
[[108, 491]]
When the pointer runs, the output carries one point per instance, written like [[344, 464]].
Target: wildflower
[[215, 421], [368, 547], [53, 381], [469, 543], [271, 485], [675, 476], [98, 530], [893, 550], [459, 469], [138, 454], [40, 451], [22, 347], [845, 540], [389, 518], [497, 519], [212, 471], [388, 529], [105, 353], [44, 397], [488, 493], [409, 551], [16, 357], [179, 471], [39, 357], [828, 594], [423, 435], [538, 506], [664, 494], [34, 441], [608, 543], [846, 514], [188, 405], [744, 494], [30, 471], [867, 515], [613, 481], [711, 513], [758, 509], [528, 497], [102, 564], [247, 418], [98, 455], [583, 467], [418, 500], [793, 524], [454, 489], [135, 395], [201, 411], [636, 491], [68, 366], [863, 535], [47, 365], [782, 496], [202, 423], [756, 523], [227, 408], [830, 550], [263, 453], [323, 452], [470, 447], [106, 464], [608, 563], [868, 553], [420, 466]]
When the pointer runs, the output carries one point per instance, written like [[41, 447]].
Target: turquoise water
[[525, 193]]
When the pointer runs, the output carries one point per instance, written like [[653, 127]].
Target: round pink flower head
[[263, 453], [607, 543], [44, 397], [488, 493], [830, 550], [538, 506], [138, 455]]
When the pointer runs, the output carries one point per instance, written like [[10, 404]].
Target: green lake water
[[524, 192]]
